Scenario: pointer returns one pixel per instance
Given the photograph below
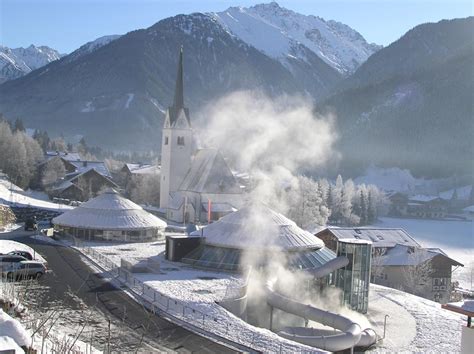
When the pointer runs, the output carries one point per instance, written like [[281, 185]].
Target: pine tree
[[330, 204], [19, 127], [363, 208], [371, 208]]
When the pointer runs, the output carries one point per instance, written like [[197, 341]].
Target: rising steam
[[273, 139]]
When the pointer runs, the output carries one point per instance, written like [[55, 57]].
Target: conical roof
[[256, 226], [109, 211]]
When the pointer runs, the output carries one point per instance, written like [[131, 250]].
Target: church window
[[180, 140], [166, 140]]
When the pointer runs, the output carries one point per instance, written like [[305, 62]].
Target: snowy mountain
[[283, 34], [91, 46], [17, 62], [116, 96]]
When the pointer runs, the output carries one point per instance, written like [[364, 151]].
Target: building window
[[180, 140], [166, 140]]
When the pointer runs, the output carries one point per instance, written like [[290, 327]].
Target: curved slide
[[349, 334]]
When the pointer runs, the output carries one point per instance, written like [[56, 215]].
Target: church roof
[[209, 173], [109, 211], [256, 226]]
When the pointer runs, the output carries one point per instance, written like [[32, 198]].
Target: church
[[196, 184]]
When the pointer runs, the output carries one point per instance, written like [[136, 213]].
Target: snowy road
[[83, 295]]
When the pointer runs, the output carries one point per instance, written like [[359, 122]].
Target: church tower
[[177, 142]]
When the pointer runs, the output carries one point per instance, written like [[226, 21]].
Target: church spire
[[179, 89], [178, 101]]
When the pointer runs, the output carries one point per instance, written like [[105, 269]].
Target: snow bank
[[9, 345], [15, 198], [13, 329]]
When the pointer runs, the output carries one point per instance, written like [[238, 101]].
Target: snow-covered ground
[[456, 238], [195, 293], [9, 245], [15, 197], [414, 324], [9, 228]]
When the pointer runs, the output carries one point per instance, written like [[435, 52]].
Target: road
[[81, 292]]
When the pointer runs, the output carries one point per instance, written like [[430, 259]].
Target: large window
[[181, 140]]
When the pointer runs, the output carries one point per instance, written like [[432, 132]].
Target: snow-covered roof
[[109, 211], [84, 166], [463, 193], [209, 173], [69, 156], [256, 226], [469, 209], [401, 255], [219, 207], [465, 307], [380, 237], [136, 168], [423, 198]]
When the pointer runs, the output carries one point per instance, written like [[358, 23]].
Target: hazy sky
[[67, 24]]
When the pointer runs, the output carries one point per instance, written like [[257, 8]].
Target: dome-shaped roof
[[256, 226], [109, 211]]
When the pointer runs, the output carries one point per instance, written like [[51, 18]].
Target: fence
[[157, 302]]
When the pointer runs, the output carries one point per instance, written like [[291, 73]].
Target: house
[[400, 262], [398, 204], [417, 206], [196, 184], [468, 212], [458, 198], [131, 171], [81, 185], [427, 206]]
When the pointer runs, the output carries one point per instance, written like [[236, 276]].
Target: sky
[[67, 24]]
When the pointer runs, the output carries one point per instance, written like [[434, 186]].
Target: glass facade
[[142, 235], [354, 279], [229, 259]]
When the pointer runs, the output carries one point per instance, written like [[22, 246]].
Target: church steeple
[[179, 88], [178, 101]]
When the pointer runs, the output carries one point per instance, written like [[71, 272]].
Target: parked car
[[6, 259], [31, 224], [25, 254], [25, 269]]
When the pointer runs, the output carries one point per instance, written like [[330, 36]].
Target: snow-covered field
[[456, 238]]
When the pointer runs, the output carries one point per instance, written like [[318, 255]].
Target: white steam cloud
[[259, 133], [273, 139]]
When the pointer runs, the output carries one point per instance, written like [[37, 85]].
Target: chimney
[[84, 163]]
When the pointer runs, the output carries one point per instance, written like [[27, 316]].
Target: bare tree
[[418, 274], [144, 189], [53, 170]]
